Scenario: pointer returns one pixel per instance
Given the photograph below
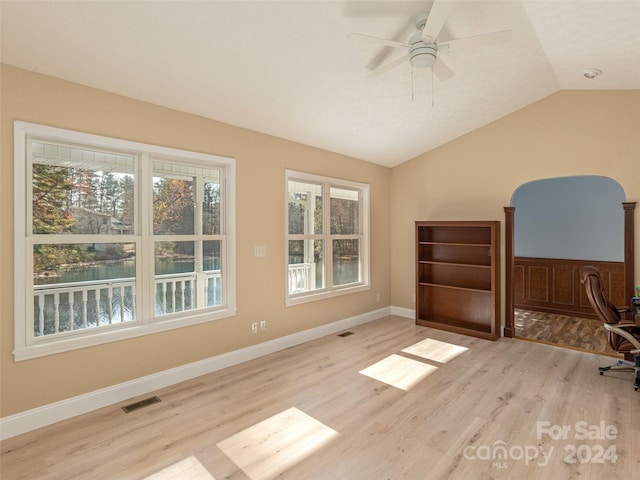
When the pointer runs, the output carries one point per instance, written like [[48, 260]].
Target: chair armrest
[[620, 329]]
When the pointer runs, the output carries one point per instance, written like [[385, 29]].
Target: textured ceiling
[[290, 69]]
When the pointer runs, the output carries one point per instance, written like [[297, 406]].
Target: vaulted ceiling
[[292, 69]]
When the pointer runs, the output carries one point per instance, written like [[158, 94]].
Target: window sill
[[324, 294], [69, 343]]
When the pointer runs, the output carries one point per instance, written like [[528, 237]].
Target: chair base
[[626, 366]]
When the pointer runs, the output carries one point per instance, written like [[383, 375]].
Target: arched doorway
[[590, 197]]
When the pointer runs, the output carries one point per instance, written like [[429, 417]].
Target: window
[[327, 237], [117, 239]]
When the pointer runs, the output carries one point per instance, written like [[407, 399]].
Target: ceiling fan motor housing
[[421, 54]]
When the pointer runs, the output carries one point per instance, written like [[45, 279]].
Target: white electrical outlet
[[378, 297], [254, 327], [413, 298], [263, 325], [259, 251]]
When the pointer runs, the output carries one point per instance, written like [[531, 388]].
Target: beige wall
[[261, 161], [474, 176]]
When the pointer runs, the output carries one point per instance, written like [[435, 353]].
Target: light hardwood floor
[[309, 413]]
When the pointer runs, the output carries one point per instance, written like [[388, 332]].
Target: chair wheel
[[601, 373]]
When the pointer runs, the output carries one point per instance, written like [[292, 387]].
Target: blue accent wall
[[570, 217]]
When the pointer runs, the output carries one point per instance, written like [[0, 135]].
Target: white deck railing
[[300, 277], [64, 307], [174, 292]]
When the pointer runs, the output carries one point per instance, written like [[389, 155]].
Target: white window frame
[[329, 289], [25, 346]]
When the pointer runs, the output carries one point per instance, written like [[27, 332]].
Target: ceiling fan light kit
[[421, 54]]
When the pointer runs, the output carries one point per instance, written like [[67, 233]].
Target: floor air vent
[[345, 334], [140, 404]]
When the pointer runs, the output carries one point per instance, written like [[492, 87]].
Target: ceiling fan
[[423, 47]]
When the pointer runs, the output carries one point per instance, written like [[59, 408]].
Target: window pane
[[175, 277], [344, 212], [211, 220], [187, 275], [173, 206], [81, 191], [79, 286], [305, 208], [306, 271], [177, 189], [346, 261], [212, 255]]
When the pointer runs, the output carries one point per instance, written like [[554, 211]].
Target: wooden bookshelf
[[458, 277]]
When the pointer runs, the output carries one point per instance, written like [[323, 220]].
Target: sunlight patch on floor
[[435, 350], [267, 449], [398, 371], [187, 469]]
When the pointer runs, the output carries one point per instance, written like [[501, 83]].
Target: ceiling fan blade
[[389, 66], [379, 58], [495, 38], [438, 14], [385, 52], [382, 41], [441, 70]]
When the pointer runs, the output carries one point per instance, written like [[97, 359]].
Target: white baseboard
[[54, 412], [403, 312]]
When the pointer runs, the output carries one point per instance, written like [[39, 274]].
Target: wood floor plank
[[228, 424], [585, 334]]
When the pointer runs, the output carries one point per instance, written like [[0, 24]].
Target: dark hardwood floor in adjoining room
[[579, 333]]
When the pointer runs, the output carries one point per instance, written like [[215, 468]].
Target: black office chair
[[623, 337]]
